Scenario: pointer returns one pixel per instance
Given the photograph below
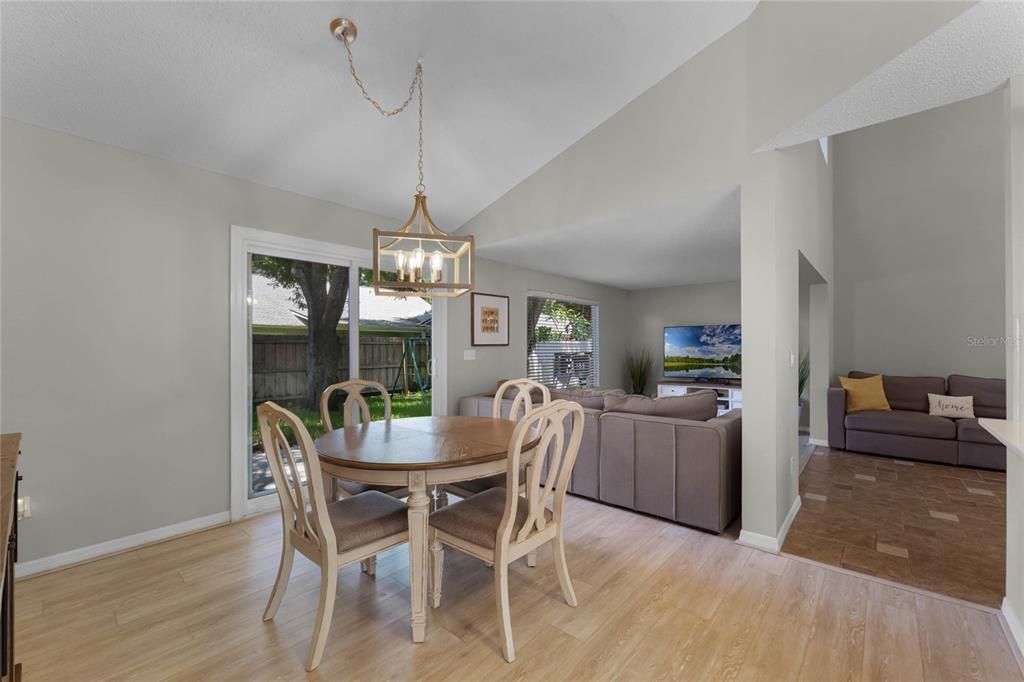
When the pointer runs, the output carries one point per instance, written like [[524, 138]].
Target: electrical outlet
[[24, 507]]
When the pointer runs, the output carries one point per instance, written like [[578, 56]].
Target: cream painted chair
[[521, 403], [330, 534], [356, 411], [500, 525]]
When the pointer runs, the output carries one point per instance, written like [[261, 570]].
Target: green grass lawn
[[402, 405]]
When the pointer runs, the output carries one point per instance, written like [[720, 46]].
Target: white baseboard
[[1016, 630], [819, 442], [767, 543], [74, 556]]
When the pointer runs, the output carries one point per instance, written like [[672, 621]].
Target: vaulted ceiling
[[261, 91], [970, 56]]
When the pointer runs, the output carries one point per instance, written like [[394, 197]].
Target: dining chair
[[356, 410], [521, 402], [500, 525], [330, 534]]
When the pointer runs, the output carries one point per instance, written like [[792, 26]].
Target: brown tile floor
[[936, 527]]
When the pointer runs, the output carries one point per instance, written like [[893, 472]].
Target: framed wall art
[[488, 319]]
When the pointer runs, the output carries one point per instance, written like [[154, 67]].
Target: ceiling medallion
[[419, 258]]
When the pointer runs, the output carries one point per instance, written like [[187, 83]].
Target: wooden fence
[[279, 364]]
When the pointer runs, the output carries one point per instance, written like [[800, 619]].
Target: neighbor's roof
[[274, 306]]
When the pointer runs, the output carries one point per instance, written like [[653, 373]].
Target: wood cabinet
[[10, 448]]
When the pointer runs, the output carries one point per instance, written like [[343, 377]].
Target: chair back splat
[[560, 426], [303, 507], [356, 410], [523, 398]]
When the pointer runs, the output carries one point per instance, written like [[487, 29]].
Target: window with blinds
[[562, 342]]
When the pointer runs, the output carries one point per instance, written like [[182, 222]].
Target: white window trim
[[247, 240], [562, 297]]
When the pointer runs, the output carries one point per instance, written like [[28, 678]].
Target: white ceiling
[[694, 240], [972, 55], [260, 91]]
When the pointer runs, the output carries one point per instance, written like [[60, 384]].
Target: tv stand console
[[730, 397]]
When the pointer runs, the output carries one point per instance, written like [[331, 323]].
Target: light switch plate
[[469, 354]]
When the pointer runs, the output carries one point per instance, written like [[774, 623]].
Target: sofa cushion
[[907, 393], [592, 398], [952, 406], [902, 423], [698, 406], [970, 431], [536, 395], [864, 394], [989, 394]]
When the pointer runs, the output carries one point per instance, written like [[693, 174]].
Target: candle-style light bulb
[[416, 263], [401, 259], [436, 265]]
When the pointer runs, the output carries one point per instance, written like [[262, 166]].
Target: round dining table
[[419, 452]]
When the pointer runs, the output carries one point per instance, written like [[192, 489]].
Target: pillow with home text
[[954, 406]]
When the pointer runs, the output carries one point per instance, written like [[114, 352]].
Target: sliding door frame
[[244, 242]]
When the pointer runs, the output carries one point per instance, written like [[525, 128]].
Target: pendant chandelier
[[419, 258]]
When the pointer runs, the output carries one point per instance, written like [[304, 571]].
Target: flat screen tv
[[704, 352]]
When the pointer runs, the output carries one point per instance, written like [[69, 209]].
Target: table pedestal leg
[[419, 510]]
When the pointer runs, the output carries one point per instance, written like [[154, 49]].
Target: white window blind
[[562, 342]]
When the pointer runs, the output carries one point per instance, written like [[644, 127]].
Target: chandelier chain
[[420, 188], [415, 88]]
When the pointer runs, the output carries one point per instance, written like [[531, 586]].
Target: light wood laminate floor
[[937, 527], [657, 600]]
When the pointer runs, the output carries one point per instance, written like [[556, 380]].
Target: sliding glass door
[[298, 344], [304, 316]]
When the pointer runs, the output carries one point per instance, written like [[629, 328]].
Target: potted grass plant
[[639, 365]]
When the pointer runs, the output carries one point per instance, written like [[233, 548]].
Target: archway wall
[[786, 212]]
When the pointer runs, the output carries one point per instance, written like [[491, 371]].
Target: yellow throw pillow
[[864, 394]]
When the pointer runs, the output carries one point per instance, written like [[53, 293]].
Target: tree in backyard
[[320, 291]]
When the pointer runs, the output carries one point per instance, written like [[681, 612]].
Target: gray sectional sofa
[[909, 432], [685, 468]]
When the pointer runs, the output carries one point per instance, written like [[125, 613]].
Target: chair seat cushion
[[970, 431], [353, 488], [479, 485], [902, 423], [476, 519], [365, 518]]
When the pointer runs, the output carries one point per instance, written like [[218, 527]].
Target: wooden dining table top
[[419, 443]]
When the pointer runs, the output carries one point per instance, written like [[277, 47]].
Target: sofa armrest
[[836, 415], [476, 405], [681, 469]]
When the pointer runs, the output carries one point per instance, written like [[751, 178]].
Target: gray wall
[[1013, 125], [468, 377], [115, 329], [919, 242], [651, 310]]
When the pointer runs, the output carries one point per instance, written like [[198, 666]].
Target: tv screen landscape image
[[710, 351]]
